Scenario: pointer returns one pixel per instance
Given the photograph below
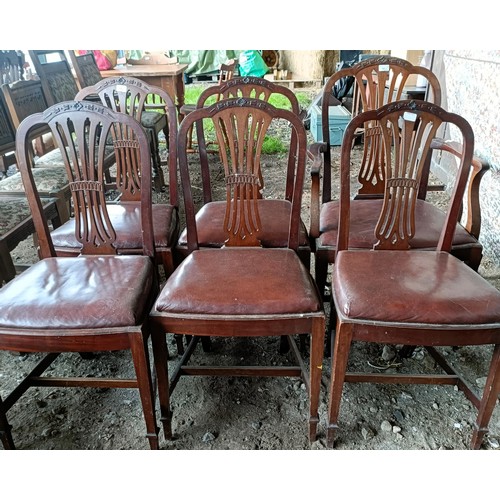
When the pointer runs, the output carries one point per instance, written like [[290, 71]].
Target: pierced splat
[[84, 144], [404, 167], [377, 81], [250, 87], [375, 86], [242, 133]]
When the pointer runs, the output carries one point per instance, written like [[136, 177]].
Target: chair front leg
[[343, 340], [145, 385], [315, 370], [160, 356]]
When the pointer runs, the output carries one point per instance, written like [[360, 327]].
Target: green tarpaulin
[[202, 62]]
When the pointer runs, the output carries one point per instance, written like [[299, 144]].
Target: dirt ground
[[253, 413]]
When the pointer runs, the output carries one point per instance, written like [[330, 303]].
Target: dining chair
[[275, 209], [22, 98], [376, 81], [57, 79], [131, 95], [125, 212], [96, 301], [389, 294], [243, 289]]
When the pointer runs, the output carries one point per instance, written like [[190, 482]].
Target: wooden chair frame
[[396, 225], [242, 244], [96, 235]]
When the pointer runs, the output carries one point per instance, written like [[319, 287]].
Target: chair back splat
[[391, 293], [135, 98]]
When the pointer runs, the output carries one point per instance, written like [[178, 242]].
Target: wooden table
[[169, 77]]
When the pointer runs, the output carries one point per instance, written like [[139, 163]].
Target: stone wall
[[471, 88]]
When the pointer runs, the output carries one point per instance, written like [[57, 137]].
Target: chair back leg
[[488, 401], [5, 433]]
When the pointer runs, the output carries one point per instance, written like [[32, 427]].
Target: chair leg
[[315, 369], [5, 433], [488, 401], [343, 339], [158, 180], [320, 272], [331, 327], [160, 356], [6, 264], [145, 384]]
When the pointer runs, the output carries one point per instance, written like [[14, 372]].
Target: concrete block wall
[[471, 88]]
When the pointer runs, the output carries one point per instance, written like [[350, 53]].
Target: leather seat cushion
[[429, 221], [79, 292], [126, 219], [274, 215], [412, 287], [244, 281]]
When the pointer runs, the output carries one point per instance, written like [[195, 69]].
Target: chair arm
[[478, 168], [315, 153]]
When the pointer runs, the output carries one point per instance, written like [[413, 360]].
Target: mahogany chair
[[57, 79], [377, 81], [129, 98], [131, 95], [391, 295], [275, 210], [99, 300], [243, 289]]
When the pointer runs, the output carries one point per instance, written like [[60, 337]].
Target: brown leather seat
[[126, 219], [364, 217], [196, 287], [86, 287], [211, 232], [428, 287]]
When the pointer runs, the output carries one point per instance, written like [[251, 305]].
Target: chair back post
[[81, 130]]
